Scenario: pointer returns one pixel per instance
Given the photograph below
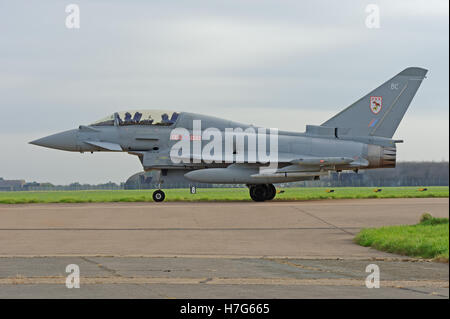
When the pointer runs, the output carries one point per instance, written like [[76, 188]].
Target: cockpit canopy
[[139, 117]]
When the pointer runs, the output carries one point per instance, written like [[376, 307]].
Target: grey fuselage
[[358, 137], [152, 144]]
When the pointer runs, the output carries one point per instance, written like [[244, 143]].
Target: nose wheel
[[158, 195]]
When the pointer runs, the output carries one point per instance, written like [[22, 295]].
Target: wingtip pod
[[414, 71]]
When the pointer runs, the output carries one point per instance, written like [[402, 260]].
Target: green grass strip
[[215, 194], [428, 239]]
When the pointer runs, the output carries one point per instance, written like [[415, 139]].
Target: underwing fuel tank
[[242, 174]]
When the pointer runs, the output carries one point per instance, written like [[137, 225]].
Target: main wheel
[[271, 192], [258, 192], [158, 195]]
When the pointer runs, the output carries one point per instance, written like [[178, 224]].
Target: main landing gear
[[158, 195], [262, 192]]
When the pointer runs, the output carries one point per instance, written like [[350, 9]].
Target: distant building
[[11, 185]]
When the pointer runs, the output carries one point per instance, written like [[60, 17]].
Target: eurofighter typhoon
[[207, 149]]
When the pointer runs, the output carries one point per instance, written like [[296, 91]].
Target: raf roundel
[[376, 103]]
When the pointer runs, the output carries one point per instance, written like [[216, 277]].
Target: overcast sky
[[273, 63]]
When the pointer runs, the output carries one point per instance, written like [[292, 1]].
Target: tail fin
[[379, 113]]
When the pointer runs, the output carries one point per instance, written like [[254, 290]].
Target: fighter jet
[[207, 149]]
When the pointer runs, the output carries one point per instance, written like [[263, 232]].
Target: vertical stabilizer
[[379, 112]]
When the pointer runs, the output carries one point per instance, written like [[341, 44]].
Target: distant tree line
[[404, 174], [34, 186]]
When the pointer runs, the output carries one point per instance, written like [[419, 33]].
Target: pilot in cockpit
[[127, 117], [174, 117], [165, 118], [119, 120], [137, 117]]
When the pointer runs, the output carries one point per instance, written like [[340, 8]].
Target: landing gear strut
[[262, 192], [158, 195]]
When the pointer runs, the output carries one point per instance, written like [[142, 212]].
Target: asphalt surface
[[212, 250]]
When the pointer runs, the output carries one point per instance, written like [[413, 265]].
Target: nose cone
[[66, 141]]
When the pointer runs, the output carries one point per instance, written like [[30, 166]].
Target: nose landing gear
[[158, 195], [262, 192]]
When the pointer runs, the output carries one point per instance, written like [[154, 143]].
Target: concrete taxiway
[[218, 250]]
